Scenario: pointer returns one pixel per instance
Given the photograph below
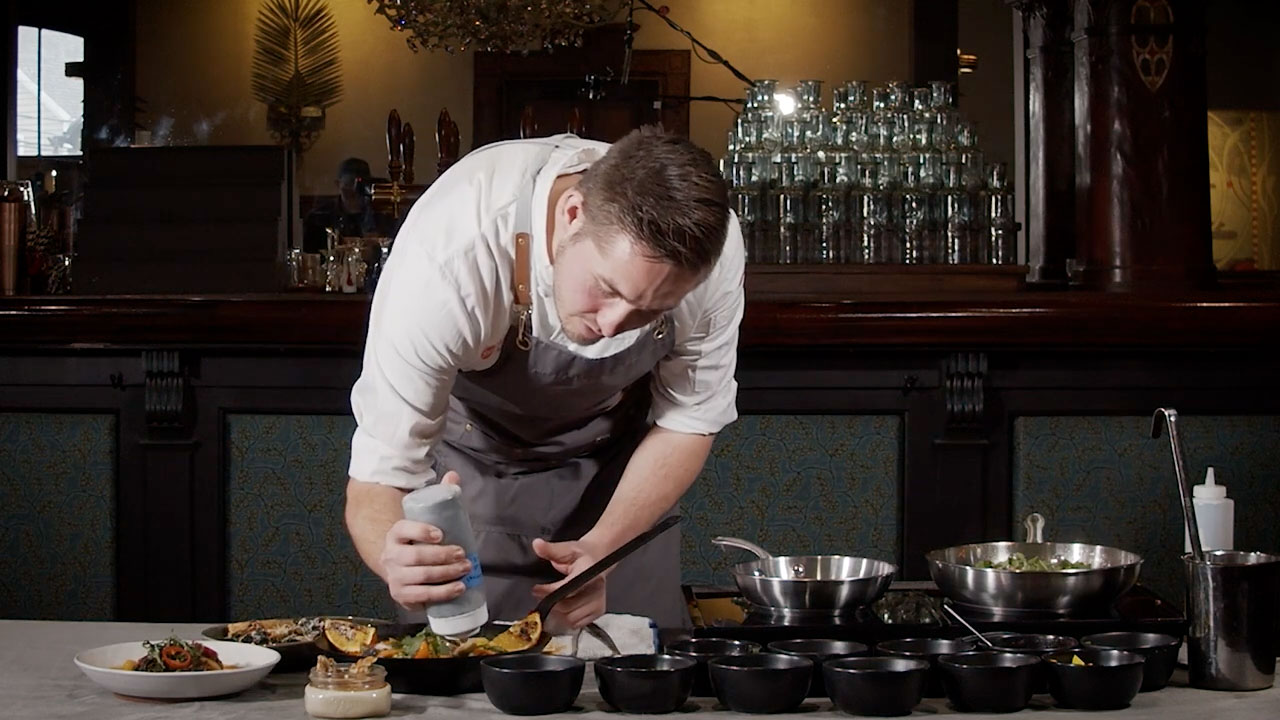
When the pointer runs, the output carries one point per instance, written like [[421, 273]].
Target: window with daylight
[[50, 104]]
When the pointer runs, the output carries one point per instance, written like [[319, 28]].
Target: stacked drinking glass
[[893, 176]]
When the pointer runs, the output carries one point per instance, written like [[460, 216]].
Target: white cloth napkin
[[633, 634]]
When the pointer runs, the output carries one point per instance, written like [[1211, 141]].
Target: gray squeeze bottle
[[441, 505]]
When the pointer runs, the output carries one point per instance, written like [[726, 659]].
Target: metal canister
[[1232, 637]]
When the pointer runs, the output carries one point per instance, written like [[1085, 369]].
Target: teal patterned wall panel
[[288, 549], [796, 484], [57, 516], [1105, 480]]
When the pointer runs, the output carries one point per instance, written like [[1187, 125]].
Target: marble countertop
[[41, 681]]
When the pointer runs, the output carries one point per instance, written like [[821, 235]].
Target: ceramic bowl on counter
[[929, 649], [1160, 653], [1094, 679], [245, 665], [989, 681], [879, 686], [532, 683], [761, 682], [645, 684], [1037, 644], [819, 651], [703, 650]]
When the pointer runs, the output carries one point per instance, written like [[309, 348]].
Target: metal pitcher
[[1233, 634]]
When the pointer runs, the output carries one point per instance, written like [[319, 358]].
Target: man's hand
[[570, 558], [417, 568]]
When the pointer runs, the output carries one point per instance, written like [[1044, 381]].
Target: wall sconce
[[968, 63]]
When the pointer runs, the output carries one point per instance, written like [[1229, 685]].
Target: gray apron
[[540, 440]]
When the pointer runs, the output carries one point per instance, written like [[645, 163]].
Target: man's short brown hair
[[665, 193]]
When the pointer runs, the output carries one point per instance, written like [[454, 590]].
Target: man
[[350, 213], [556, 331]]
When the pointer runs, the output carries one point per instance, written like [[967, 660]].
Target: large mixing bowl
[[1109, 574], [826, 583]]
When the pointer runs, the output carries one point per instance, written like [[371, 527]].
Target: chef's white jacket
[[443, 305]]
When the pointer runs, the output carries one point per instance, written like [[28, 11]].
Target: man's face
[[349, 188], [604, 286]]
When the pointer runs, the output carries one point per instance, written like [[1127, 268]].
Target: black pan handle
[[613, 558]]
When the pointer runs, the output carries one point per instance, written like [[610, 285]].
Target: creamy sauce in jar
[[347, 691], [344, 703]]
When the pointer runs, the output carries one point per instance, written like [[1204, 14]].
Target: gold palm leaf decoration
[[297, 70]]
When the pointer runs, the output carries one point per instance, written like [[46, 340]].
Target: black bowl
[[1109, 680], [1033, 644], [819, 651], [761, 683], [703, 650], [645, 683], [875, 685], [1160, 651], [532, 684], [926, 649], [989, 681]]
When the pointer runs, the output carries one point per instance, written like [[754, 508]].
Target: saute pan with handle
[[791, 583], [456, 675], [1110, 572]]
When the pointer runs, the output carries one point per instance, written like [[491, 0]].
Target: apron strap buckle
[[660, 330], [522, 327]]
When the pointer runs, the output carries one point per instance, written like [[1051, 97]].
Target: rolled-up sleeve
[[694, 389], [418, 333]]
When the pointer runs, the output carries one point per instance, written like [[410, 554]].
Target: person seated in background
[[350, 212]]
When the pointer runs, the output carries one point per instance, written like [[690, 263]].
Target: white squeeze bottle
[[441, 505], [1215, 513]]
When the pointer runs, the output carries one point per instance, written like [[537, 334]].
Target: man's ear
[[574, 207]]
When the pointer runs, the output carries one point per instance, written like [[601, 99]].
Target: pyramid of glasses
[[895, 176]]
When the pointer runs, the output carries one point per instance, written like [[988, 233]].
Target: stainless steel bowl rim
[[749, 568], [940, 557]]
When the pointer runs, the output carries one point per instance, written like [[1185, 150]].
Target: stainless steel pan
[[827, 583], [1111, 572]]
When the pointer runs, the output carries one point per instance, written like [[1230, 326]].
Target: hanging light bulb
[[785, 102]]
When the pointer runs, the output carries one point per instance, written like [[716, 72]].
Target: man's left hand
[[570, 558]]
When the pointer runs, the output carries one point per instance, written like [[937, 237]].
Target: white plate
[[252, 662]]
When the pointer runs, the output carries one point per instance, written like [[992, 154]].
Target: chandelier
[[495, 25]]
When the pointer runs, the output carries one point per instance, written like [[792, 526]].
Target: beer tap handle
[[394, 164], [407, 145]]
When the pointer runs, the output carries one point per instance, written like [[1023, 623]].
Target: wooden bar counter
[[1029, 319]]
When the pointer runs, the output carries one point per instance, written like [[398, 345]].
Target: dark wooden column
[[1142, 162], [1050, 124]]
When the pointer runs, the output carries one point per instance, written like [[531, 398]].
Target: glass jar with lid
[[347, 690]]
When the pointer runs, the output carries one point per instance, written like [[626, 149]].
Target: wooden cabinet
[[580, 90]]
